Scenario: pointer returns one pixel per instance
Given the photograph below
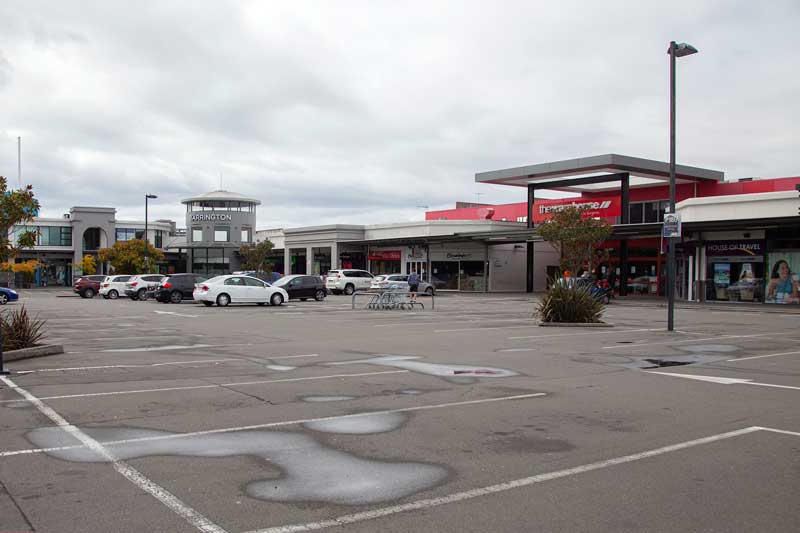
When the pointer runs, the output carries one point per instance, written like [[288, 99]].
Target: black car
[[178, 287], [302, 287]]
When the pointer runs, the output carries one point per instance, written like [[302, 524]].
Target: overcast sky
[[358, 112]]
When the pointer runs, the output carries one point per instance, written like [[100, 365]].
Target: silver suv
[[136, 288], [347, 280]]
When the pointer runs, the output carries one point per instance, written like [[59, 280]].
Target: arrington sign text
[[211, 217], [605, 204]]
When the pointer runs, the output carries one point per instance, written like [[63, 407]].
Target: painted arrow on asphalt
[[723, 381]]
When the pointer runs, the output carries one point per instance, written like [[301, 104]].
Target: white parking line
[[102, 367], [722, 380], [196, 519], [759, 357], [502, 487], [215, 386], [279, 424], [164, 348]]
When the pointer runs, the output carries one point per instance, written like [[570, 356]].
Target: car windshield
[[379, 278], [283, 281]]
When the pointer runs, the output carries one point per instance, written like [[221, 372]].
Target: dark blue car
[[8, 295]]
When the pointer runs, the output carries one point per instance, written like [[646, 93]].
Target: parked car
[[269, 277], [347, 280], [302, 287], [399, 281], [8, 295], [178, 287], [87, 286], [225, 290], [136, 288], [113, 287]]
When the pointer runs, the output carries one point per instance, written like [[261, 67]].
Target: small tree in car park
[[574, 236], [256, 256], [87, 266], [127, 257]]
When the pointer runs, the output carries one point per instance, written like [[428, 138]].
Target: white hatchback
[[225, 290], [113, 287]]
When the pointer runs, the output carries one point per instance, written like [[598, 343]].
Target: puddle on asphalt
[[310, 471], [359, 425], [281, 368], [407, 362], [705, 348], [327, 398], [673, 360]]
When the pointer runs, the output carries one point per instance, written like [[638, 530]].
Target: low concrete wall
[[36, 351]]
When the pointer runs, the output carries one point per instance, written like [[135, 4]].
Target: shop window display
[[783, 285]]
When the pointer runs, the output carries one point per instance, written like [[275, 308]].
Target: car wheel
[[276, 299], [113, 294], [320, 295], [88, 293], [3, 298], [429, 291], [223, 300], [175, 297], [141, 294], [349, 289], [208, 304]]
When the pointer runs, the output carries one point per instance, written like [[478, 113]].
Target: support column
[[529, 244], [287, 260], [334, 256], [623, 267], [309, 260]]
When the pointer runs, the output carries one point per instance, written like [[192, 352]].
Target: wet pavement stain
[[360, 425], [311, 471], [454, 373]]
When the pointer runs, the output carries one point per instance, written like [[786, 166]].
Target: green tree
[[16, 208], [127, 257], [574, 236], [256, 256]]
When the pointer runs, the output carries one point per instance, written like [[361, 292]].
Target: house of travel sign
[[211, 217]]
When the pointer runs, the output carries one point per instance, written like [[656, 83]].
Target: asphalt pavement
[[466, 417]]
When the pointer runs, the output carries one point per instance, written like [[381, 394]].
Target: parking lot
[[469, 417]]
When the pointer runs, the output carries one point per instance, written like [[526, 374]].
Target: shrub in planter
[[567, 302], [20, 330]]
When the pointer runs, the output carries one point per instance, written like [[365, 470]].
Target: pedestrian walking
[[413, 285]]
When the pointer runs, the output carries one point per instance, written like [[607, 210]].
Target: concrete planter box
[[576, 324], [35, 351]]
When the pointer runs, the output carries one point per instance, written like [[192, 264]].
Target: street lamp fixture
[[675, 50], [146, 251]]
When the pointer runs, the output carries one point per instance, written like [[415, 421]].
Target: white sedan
[[225, 290]]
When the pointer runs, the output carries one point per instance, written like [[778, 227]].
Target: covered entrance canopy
[[602, 173]]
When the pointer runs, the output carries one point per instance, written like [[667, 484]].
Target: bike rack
[[391, 299]]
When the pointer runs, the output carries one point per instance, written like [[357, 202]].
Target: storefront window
[[444, 275], [783, 285], [735, 271]]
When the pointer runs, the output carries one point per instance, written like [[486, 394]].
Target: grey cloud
[[359, 112]]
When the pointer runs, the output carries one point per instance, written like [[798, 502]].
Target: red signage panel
[[593, 208]]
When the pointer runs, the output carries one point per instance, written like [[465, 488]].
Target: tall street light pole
[[146, 251], [675, 50]]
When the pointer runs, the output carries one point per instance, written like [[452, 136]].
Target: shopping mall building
[[740, 239]]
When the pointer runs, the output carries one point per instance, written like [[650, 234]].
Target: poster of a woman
[[783, 285]]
